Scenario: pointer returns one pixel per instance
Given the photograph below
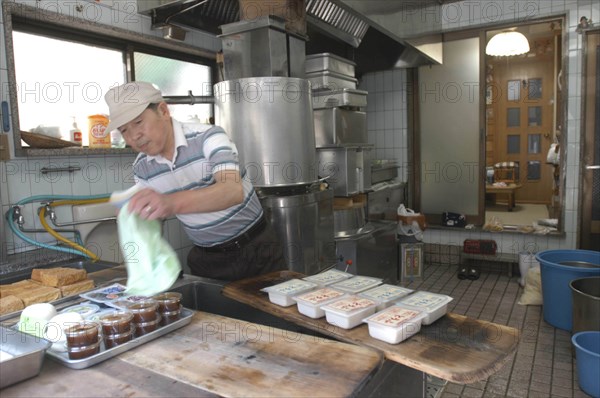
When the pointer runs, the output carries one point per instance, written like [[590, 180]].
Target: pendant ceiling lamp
[[506, 44]]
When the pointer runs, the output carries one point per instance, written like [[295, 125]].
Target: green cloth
[[152, 265]]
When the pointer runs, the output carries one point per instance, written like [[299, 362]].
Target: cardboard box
[[293, 11]]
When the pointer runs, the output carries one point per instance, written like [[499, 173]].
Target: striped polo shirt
[[200, 151]]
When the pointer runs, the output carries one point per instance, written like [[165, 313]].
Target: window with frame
[[60, 81]]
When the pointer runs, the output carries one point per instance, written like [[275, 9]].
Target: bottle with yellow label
[[98, 135]]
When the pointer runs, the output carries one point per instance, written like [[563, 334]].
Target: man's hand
[[151, 205]]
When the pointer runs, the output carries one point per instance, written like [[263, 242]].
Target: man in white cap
[[192, 171]]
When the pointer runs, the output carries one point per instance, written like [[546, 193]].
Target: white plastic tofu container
[[349, 311], [357, 284], [310, 303], [433, 304], [282, 293], [328, 277], [395, 324], [385, 295]]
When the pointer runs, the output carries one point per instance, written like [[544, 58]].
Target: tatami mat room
[[543, 365]]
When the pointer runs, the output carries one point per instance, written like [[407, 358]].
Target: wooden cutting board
[[234, 358], [454, 348]]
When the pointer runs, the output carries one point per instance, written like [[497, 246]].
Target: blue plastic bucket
[[587, 351], [558, 268]]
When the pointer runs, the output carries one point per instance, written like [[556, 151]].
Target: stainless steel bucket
[[586, 303], [348, 221], [270, 119], [304, 223]]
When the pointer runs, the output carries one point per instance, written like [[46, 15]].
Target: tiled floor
[[543, 365]]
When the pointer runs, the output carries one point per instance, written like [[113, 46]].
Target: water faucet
[[18, 216]]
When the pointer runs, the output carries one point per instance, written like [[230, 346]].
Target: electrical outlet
[[4, 150]]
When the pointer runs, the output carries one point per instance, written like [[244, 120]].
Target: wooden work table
[[454, 348], [215, 356]]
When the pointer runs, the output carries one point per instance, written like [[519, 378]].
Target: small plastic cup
[[82, 334], [169, 317], [114, 340], [146, 327], [168, 301], [116, 322], [143, 311], [84, 351]]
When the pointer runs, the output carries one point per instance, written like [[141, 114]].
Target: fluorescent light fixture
[[506, 44]]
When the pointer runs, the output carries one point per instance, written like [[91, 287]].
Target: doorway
[[590, 207], [523, 117]]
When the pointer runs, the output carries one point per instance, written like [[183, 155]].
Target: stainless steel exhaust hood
[[398, 32]]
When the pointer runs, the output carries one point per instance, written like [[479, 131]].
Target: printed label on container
[[386, 292], [357, 283], [290, 287], [351, 304], [328, 277], [320, 296], [394, 316], [427, 300], [105, 294]]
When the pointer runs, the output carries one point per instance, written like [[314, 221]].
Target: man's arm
[[227, 191]]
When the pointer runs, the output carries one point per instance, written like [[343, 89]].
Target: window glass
[[535, 88], [534, 117], [534, 170], [58, 80], [513, 143], [533, 143], [177, 78], [514, 90], [513, 117]]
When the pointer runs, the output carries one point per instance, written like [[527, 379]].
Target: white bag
[[553, 156], [410, 223]]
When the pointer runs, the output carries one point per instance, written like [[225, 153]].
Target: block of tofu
[[36, 273], [77, 287], [60, 276], [10, 304], [10, 289], [40, 294]]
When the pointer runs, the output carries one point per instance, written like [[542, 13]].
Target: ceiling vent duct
[[386, 34], [337, 21]]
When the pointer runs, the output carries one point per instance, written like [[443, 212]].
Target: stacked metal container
[[344, 155], [340, 124]]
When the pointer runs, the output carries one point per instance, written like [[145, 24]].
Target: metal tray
[[104, 354], [27, 353], [330, 81], [329, 62], [344, 97]]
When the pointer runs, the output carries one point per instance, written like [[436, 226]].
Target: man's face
[[149, 132]]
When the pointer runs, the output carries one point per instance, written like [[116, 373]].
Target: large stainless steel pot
[[270, 119]]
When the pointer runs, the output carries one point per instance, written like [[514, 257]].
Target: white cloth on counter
[[152, 264]]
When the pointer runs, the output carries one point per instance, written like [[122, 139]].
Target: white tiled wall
[[386, 114], [21, 178]]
